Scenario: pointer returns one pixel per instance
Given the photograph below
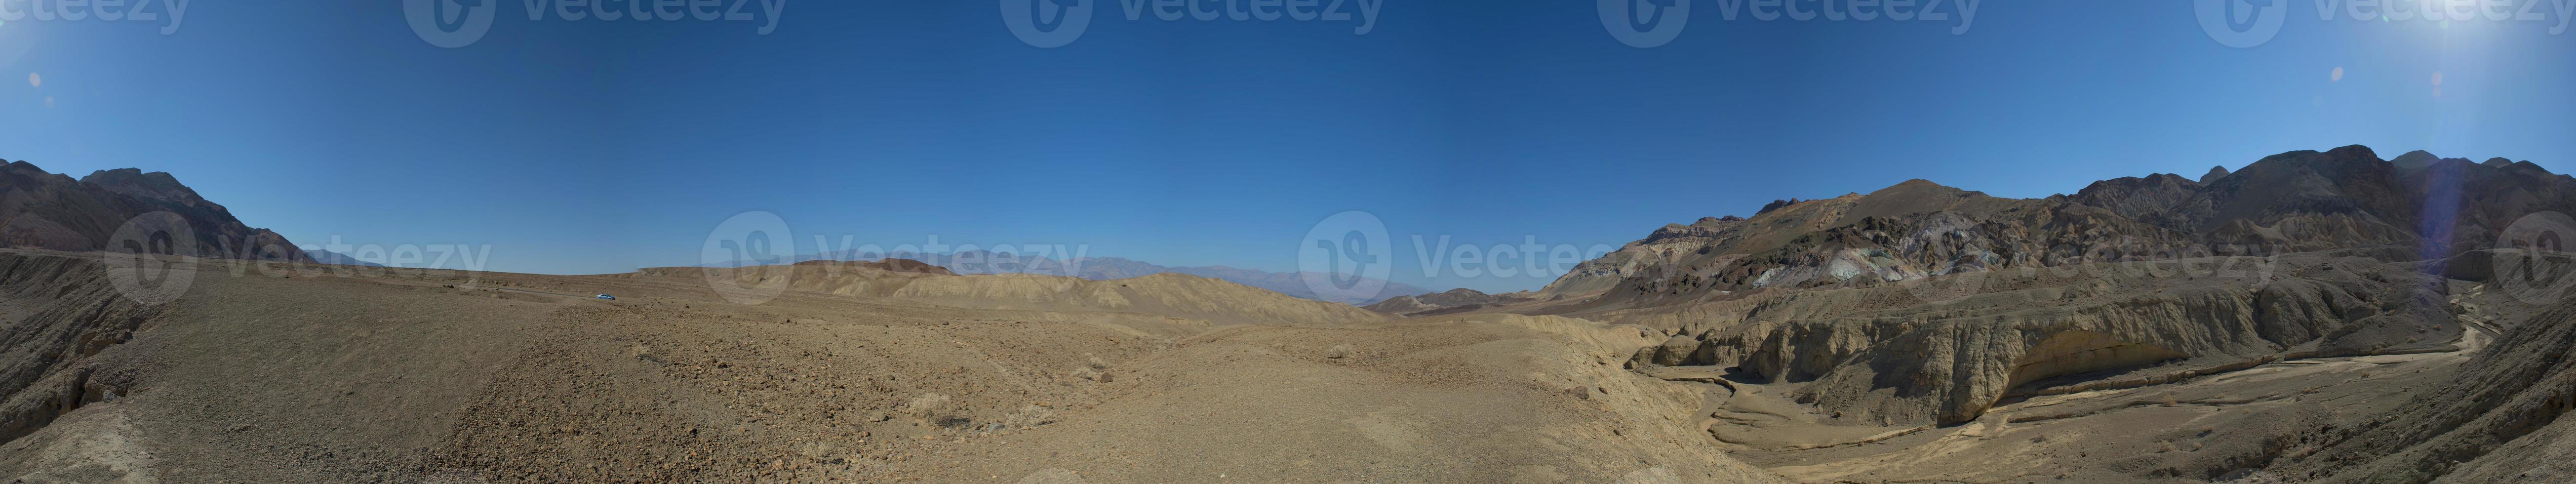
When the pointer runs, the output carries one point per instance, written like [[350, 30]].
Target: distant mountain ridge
[[1107, 268], [1454, 301], [44, 210], [322, 256]]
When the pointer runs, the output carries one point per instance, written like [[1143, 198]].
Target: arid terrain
[[318, 377], [2310, 317]]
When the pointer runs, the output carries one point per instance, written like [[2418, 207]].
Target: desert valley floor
[[871, 375]]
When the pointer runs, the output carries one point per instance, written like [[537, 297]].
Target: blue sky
[[593, 147]]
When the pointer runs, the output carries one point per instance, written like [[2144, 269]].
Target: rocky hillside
[[1885, 356], [2304, 201], [2497, 420], [51, 211], [61, 312]]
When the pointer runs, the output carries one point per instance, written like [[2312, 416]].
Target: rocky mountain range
[[2303, 201], [43, 210], [1744, 291]]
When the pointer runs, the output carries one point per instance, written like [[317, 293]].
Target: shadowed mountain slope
[[41, 210]]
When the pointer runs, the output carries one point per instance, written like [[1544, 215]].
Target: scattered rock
[[1338, 352]]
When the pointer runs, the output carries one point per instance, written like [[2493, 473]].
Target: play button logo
[[1047, 24], [2241, 23], [1645, 23], [450, 23]]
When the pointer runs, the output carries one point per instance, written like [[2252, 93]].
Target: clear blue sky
[[595, 147]]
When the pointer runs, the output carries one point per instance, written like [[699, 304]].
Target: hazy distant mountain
[[1106, 268], [329, 257], [1291, 283]]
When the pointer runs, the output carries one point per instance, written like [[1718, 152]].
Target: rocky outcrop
[[2079, 352], [1885, 356], [76, 312], [2139, 198], [1776, 205]]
